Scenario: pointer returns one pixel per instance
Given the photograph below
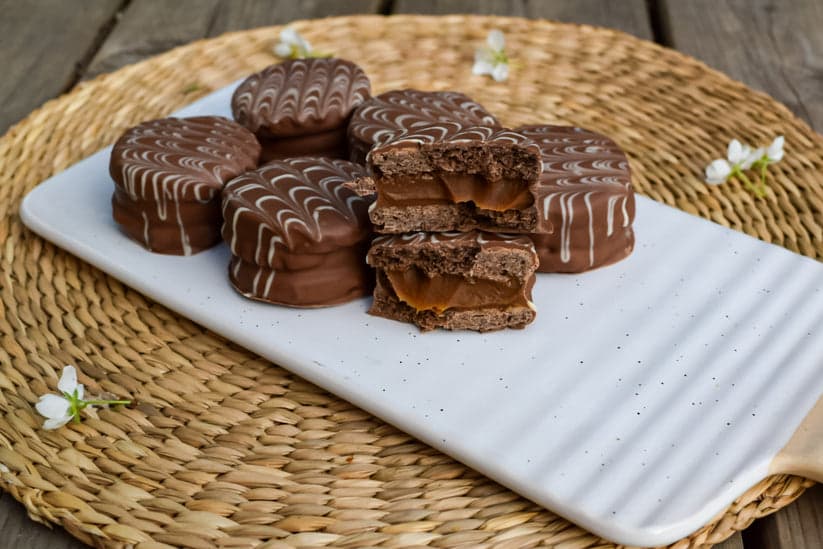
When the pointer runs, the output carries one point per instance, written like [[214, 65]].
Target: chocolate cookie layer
[[585, 197], [298, 236], [444, 177], [301, 106], [389, 114], [168, 175], [473, 281]]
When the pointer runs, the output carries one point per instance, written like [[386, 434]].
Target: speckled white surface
[[645, 397]]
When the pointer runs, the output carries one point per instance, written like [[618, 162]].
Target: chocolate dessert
[[298, 236], [443, 177], [302, 106], [586, 199], [168, 175], [473, 281], [389, 114]]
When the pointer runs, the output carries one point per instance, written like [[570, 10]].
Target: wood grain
[[440, 7], [42, 42], [776, 47], [631, 16], [150, 27], [627, 15], [734, 542]]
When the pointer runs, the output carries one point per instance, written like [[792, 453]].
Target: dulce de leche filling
[[440, 292], [453, 188]]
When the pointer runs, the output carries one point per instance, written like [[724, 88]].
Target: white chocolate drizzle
[[293, 97], [297, 204], [175, 160], [453, 132], [387, 115], [589, 177]]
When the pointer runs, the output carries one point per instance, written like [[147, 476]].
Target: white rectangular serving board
[[643, 400]]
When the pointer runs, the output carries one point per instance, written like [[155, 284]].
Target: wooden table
[[48, 46]]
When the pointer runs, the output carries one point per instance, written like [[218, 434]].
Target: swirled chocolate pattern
[[585, 199], [168, 174], [300, 97], [444, 134], [386, 115], [298, 235]]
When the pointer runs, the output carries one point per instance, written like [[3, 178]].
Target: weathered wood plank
[[18, 530], [42, 42], [776, 47], [798, 526], [627, 15], [439, 7], [734, 542], [234, 15], [149, 27], [631, 16]]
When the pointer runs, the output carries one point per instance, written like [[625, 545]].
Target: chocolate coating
[[168, 175], [297, 234], [331, 143], [586, 199], [300, 97], [389, 114]]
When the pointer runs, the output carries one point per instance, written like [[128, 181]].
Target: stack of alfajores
[[470, 213]]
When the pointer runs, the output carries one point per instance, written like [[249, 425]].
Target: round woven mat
[[224, 449]]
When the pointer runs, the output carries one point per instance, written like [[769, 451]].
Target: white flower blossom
[[492, 59], [718, 171], [60, 409], [740, 158], [293, 46]]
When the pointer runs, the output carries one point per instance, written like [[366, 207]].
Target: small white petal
[[52, 406], [482, 67], [303, 46], [736, 151], [775, 151], [496, 40], [290, 36], [68, 380], [4, 469], [718, 171], [500, 72], [752, 157], [485, 55], [56, 423], [282, 50], [80, 391], [747, 152]]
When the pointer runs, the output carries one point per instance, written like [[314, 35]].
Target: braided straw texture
[[224, 449]]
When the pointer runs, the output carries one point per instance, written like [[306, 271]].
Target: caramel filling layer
[[453, 188], [440, 292]]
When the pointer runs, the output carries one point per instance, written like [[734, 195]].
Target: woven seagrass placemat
[[224, 449]]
